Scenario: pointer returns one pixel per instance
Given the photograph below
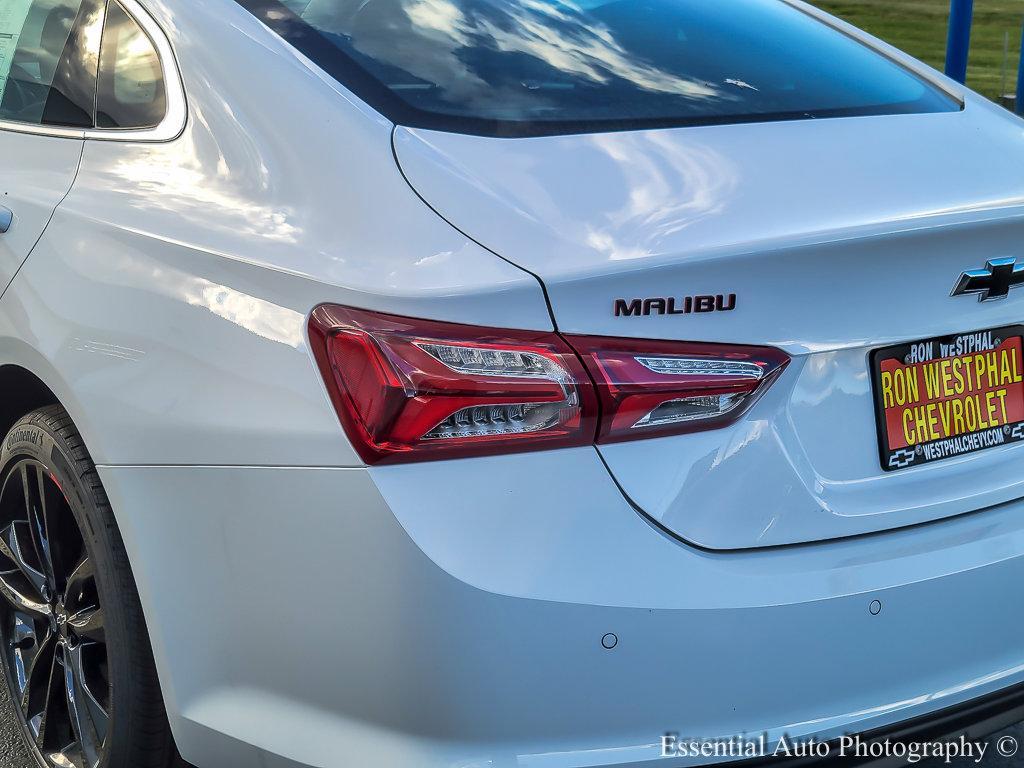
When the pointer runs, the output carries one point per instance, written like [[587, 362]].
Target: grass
[[919, 28]]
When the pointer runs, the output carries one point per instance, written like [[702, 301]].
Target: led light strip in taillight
[[412, 390], [497, 419], [650, 388]]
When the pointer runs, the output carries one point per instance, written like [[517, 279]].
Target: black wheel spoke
[[82, 604], [35, 506], [56, 737], [44, 704], [25, 644], [81, 585], [37, 673], [88, 625], [21, 584], [88, 718]]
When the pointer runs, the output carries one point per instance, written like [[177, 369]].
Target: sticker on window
[[13, 14]]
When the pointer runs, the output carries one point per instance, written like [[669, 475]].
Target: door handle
[[6, 219]]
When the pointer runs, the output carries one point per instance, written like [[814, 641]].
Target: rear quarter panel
[[167, 301]]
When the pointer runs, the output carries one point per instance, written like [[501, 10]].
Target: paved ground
[[12, 754]]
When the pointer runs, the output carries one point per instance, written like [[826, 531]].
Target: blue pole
[[1020, 78], [959, 41]]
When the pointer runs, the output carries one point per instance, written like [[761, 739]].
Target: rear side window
[[131, 84], [534, 67], [48, 54], [78, 64]]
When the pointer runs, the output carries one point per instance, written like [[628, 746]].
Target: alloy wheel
[[51, 621]]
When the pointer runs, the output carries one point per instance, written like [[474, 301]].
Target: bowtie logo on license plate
[[992, 282]]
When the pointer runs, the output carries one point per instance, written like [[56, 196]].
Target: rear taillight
[[651, 388], [415, 389], [412, 390]]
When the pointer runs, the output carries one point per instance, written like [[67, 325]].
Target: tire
[[70, 595]]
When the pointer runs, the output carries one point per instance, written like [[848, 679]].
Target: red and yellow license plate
[[948, 396]]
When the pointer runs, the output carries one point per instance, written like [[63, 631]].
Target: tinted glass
[[550, 66], [131, 84], [49, 53]]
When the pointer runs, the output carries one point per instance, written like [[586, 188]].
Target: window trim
[[175, 117]]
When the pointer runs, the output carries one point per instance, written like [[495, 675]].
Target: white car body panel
[[739, 209], [36, 172], [458, 607], [509, 599], [753, 210]]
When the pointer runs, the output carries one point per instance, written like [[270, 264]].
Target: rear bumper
[[452, 614]]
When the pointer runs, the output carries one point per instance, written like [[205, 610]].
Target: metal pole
[[1006, 62], [1020, 77], [959, 42]]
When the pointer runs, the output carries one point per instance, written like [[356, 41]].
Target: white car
[[534, 383]]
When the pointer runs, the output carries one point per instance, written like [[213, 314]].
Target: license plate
[[948, 396]]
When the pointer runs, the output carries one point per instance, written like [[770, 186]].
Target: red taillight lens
[[412, 390], [651, 388], [415, 389]]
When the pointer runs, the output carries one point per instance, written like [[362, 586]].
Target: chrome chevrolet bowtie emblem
[[992, 282]]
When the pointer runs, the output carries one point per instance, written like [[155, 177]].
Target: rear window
[[538, 67]]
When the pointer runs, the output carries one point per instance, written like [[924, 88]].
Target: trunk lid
[[836, 237]]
